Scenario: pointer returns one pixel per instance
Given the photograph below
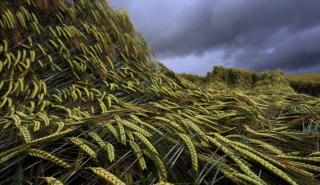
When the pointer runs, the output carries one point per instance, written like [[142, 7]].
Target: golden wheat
[[78, 71], [267, 165], [146, 142], [53, 181], [82, 144], [122, 132], [110, 128], [187, 141], [161, 169], [136, 128], [48, 156], [107, 176], [163, 183], [137, 150], [245, 168]]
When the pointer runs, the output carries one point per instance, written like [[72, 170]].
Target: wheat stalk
[[137, 150], [187, 141], [107, 176], [82, 144], [48, 156], [104, 145], [110, 128], [136, 128], [163, 183], [53, 181], [267, 165], [25, 134], [247, 179], [146, 142], [237, 160], [122, 132], [161, 169]]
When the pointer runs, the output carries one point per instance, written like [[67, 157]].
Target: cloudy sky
[[194, 35]]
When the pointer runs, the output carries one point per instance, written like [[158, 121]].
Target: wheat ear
[[82, 144], [48, 156], [104, 145], [187, 141], [53, 181], [107, 176], [163, 183], [146, 142], [267, 165], [241, 164], [137, 150], [161, 169]]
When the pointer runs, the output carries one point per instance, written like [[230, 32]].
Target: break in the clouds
[[195, 35]]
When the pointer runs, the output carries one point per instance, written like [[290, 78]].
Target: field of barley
[[82, 101], [304, 77], [308, 83]]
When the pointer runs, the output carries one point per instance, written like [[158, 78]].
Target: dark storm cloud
[[298, 51], [259, 34]]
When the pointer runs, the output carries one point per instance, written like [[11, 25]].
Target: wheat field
[[83, 101]]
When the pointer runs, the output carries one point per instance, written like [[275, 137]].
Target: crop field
[[82, 101], [308, 83], [304, 77]]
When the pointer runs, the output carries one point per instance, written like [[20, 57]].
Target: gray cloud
[[256, 34], [295, 52]]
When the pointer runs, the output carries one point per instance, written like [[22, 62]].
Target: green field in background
[[305, 77]]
